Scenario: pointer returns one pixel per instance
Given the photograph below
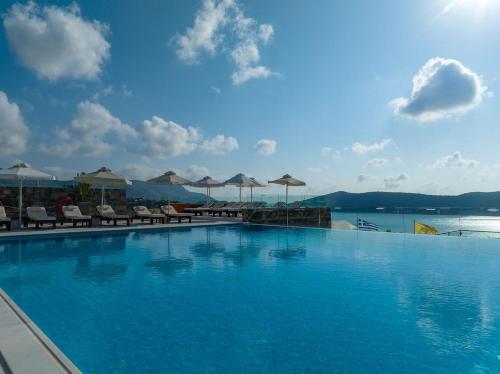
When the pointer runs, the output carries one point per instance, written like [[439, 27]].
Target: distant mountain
[[140, 189], [395, 200]]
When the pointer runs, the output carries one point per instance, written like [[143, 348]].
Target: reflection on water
[[170, 266], [209, 247], [449, 315]]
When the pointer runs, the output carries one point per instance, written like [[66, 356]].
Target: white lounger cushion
[[169, 210], [3, 215], [38, 213], [142, 211], [73, 211], [105, 210]]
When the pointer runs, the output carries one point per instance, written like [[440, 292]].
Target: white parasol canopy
[[22, 172], [208, 183], [103, 177], [170, 178], [241, 180], [288, 181]]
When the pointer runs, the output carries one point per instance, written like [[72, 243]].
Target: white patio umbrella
[[256, 184], [208, 183], [23, 172], [288, 181], [103, 177], [240, 180], [169, 179]]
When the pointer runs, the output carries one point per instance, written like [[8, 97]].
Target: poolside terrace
[[67, 228]]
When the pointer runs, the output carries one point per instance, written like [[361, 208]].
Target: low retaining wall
[[47, 197], [307, 217]]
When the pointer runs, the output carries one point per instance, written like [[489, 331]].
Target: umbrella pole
[[286, 203], [20, 202], [102, 196], [240, 193], [168, 194], [251, 194]]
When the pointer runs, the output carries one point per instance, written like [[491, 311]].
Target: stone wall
[[307, 217], [47, 197]]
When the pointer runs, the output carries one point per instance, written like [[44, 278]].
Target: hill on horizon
[[141, 189], [392, 200]]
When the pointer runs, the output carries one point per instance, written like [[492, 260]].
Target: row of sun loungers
[[72, 214], [230, 209], [167, 213]]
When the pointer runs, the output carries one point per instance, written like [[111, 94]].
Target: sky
[[355, 96]]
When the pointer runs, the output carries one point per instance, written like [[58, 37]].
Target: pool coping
[[103, 230], [24, 348]]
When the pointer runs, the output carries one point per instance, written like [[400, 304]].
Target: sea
[[483, 226]]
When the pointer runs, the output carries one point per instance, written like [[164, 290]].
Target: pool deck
[[69, 229], [24, 348]]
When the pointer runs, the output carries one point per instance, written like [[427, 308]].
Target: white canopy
[[241, 180], [22, 172], [103, 177], [208, 183], [288, 181], [170, 178]]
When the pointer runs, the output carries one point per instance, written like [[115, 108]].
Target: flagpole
[[20, 202]]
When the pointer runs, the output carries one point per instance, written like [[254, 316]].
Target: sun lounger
[[143, 213], [170, 212], [4, 220], [106, 213], [217, 205], [38, 216], [231, 208], [236, 209], [72, 213], [200, 210]]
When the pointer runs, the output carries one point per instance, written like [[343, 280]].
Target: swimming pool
[[261, 299]]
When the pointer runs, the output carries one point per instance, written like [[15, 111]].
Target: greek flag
[[366, 226]]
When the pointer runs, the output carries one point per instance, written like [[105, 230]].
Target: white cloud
[[168, 139], [224, 20], [266, 147], [395, 182], [362, 178], [266, 32], [13, 130], [455, 160], [376, 162], [60, 173], [102, 93], [205, 34], [376, 147], [330, 152], [88, 133], [56, 42], [443, 87], [245, 74], [220, 145], [216, 90], [196, 172], [142, 171], [126, 91]]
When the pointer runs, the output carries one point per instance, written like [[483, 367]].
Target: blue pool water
[[262, 299]]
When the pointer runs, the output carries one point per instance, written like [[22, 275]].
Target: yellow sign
[[421, 228]]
